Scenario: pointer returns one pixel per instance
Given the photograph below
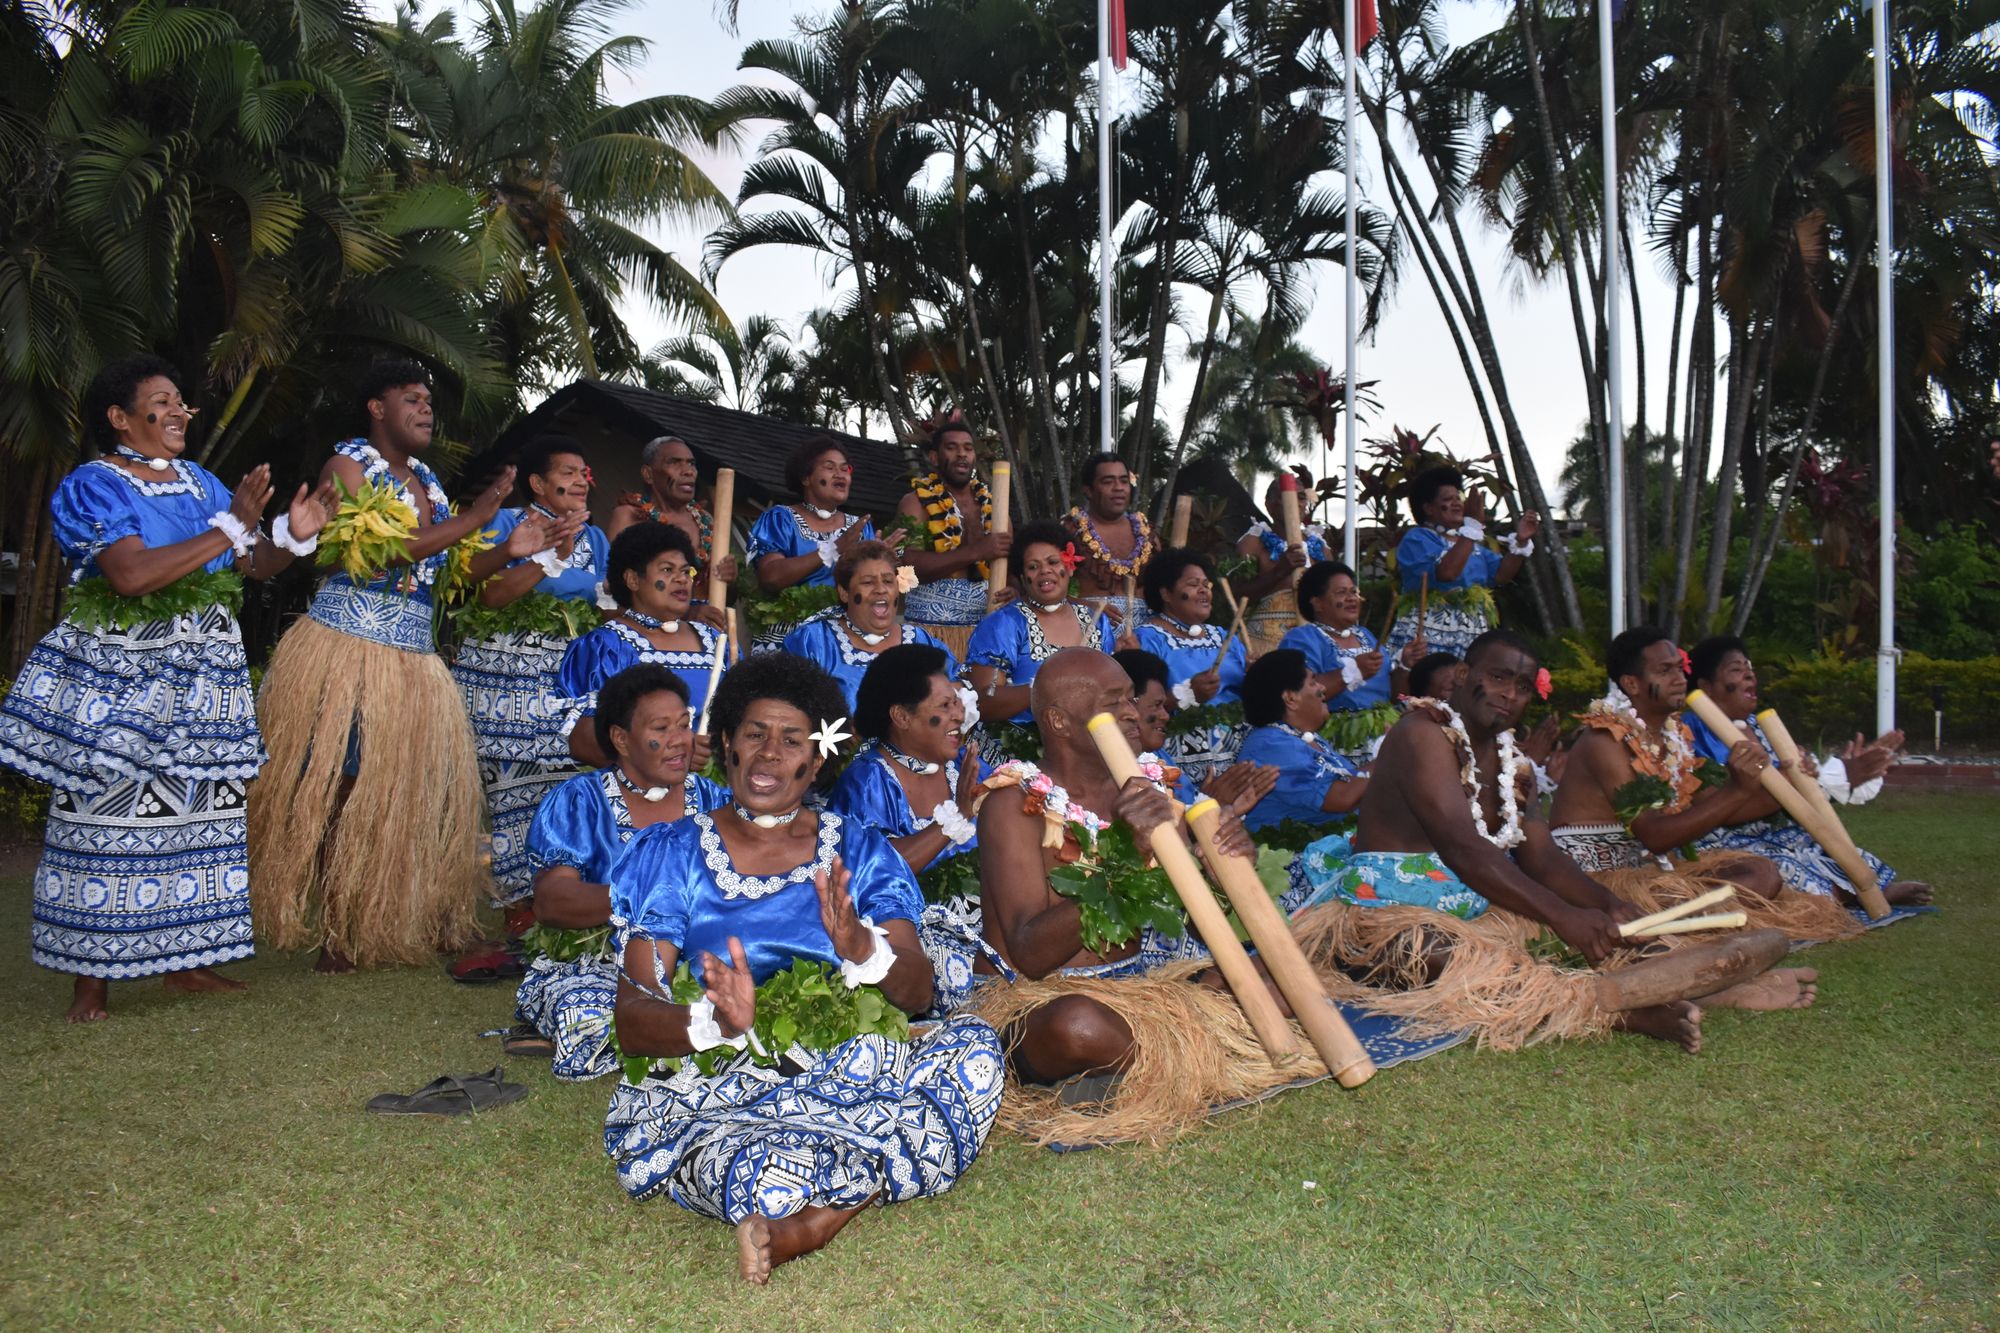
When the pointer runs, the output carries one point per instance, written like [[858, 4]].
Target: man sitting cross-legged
[[1636, 791], [1451, 873], [1068, 1008]]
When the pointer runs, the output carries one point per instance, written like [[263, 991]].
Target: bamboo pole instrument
[[1003, 501], [1802, 811], [1235, 612], [1273, 1032], [1677, 911], [1866, 887], [724, 512], [1295, 531], [1183, 518], [1336, 1043], [1687, 925], [1424, 606], [714, 676]]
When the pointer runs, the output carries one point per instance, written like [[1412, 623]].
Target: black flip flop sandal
[[525, 1041], [452, 1095]]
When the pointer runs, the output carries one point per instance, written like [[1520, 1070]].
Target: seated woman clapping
[[789, 1106], [914, 778], [1285, 705], [578, 833]]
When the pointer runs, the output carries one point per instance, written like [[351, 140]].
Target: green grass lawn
[[204, 1161]]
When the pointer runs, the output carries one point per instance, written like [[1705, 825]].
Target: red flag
[[1366, 23], [1115, 39]]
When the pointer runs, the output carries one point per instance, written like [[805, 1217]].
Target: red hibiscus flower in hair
[[1543, 684], [1070, 558], [1687, 663]]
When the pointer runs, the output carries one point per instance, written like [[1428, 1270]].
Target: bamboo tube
[[714, 677], [1273, 1032], [723, 514], [1283, 959], [1688, 925], [1295, 532], [1802, 811], [735, 637], [1677, 911], [1003, 499], [1866, 887], [1424, 606], [1183, 517]]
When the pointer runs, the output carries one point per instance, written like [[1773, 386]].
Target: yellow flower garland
[[941, 516]]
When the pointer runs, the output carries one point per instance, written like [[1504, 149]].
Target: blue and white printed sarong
[[870, 1119], [570, 1004], [1802, 862], [1331, 869]]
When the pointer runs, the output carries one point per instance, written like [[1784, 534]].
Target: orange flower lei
[[1669, 756]]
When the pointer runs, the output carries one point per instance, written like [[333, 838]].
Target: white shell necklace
[[765, 821], [1510, 834], [126, 451]]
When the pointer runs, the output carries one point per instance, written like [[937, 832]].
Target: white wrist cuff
[[1474, 529], [1184, 695], [550, 565], [232, 527], [1515, 546], [1350, 673], [281, 533], [875, 966], [704, 1032], [829, 552], [953, 822], [970, 698], [605, 601]]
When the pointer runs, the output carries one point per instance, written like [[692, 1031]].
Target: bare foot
[[1677, 1021], [762, 1243], [88, 999], [201, 979], [1780, 988], [1908, 893], [332, 962]]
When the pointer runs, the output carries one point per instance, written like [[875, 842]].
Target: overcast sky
[[1411, 355]]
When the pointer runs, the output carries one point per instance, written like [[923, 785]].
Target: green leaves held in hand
[[1117, 894], [541, 613], [566, 946], [368, 533], [92, 604]]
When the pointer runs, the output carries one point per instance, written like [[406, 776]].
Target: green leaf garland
[[1116, 892], [92, 603], [808, 1005], [541, 613]]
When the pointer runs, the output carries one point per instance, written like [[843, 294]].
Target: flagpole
[[1614, 341], [1885, 400], [1106, 403], [1350, 544]]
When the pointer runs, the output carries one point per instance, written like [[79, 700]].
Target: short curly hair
[[1315, 581], [806, 457], [537, 456], [1426, 485], [635, 548], [117, 385], [899, 677], [1042, 532], [786, 677], [1268, 680], [619, 698], [861, 554], [385, 374], [1164, 570]]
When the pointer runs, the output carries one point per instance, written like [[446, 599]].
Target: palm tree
[[754, 371]]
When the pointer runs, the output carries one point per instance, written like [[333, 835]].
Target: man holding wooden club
[[1451, 873], [1636, 795]]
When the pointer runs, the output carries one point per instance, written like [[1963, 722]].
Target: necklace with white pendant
[[1049, 608], [823, 515], [652, 622], [766, 821], [869, 639], [156, 464], [909, 761], [649, 793]]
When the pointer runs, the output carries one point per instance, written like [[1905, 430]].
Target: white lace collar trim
[[649, 653], [734, 885], [184, 482]]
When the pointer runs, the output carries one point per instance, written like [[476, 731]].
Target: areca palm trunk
[[1745, 357]]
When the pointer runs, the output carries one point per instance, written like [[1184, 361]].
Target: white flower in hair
[[830, 735], [906, 578]]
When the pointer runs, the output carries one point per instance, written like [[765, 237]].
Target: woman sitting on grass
[[770, 957], [579, 832]]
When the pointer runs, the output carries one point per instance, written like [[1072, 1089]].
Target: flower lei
[[1511, 763], [1668, 755], [1069, 826], [704, 525], [945, 523], [1142, 540]]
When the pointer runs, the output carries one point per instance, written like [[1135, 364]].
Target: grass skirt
[[400, 876], [1802, 916]]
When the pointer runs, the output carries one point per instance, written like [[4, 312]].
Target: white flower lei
[[1511, 760], [1057, 801], [1672, 749]]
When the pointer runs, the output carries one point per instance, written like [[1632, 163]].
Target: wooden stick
[[1424, 606], [735, 637], [1802, 811], [1688, 925], [1273, 1032], [1003, 501], [1677, 911], [1222, 652], [1235, 612], [1183, 516], [1283, 959], [714, 676], [723, 514], [1295, 532], [1866, 887]]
